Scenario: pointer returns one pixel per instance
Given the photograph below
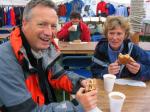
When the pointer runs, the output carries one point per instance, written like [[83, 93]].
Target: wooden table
[[2, 36], [6, 28], [145, 45], [88, 48], [83, 48], [137, 98]]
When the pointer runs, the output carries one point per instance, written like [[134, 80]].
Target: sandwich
[[91, 85], [125, 59]]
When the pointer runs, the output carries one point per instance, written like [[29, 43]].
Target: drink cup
[[109, 81], [56, 40], [116, 100], [75, 27]]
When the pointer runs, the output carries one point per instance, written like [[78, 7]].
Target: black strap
[[44, 85]]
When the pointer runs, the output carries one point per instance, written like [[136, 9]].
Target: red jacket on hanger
[[13, 18], [102, 7], [62, 10]]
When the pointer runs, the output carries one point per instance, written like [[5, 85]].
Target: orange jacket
[[31, 80]]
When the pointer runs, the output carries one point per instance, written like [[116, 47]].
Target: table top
[[6, 28], [145, 45], [88, 47], [137, 98], [2, 36], [79, 48]]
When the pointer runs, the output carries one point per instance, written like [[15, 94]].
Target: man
[[69, 33], [29, 72]]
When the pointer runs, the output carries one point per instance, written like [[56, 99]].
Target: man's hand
[[88, 100], [133, 67], [113, 68]]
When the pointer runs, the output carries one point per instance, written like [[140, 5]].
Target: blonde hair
[[113, 22]]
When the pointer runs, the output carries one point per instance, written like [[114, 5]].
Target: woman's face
[[116, 37]]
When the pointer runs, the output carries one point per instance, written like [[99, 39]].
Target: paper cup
[[56, 40], [116, 100], [75, 27], [109, 81]]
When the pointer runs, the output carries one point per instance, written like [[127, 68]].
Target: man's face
[[39, 29], [75, 20], [116, 37]]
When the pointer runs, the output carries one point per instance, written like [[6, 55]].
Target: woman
[[105, 60]]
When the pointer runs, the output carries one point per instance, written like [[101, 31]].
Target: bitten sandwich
[[124, 59], [91, 85]]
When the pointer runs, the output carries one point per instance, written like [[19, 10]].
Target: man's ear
[[24, 22]]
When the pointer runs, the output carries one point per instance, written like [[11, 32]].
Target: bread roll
[[124, 59], [91, 85]]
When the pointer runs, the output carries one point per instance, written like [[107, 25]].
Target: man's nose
[[48, 31]]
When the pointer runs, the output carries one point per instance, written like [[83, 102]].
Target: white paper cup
[[75, 27], [96, 109], [116, 100], [56, 40], [109, 81]]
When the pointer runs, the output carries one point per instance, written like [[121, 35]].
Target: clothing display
[[10, 16], [77, 5], [68, 7], [102, 9], [121, 10], [111, 9], [62, 10]]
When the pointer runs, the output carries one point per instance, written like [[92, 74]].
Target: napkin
[[130, 82], [78, 43], [96, 110]]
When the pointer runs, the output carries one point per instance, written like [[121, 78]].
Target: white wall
[[14, 2]]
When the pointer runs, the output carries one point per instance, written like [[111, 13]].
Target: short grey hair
[[33, 3]]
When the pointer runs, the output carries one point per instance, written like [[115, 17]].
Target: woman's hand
[[133, 67], [113, 68]]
